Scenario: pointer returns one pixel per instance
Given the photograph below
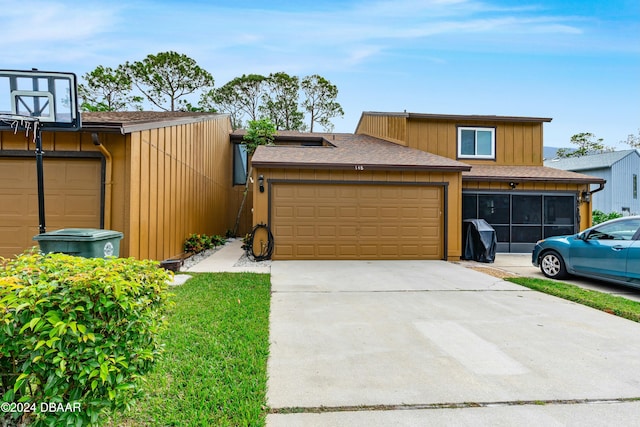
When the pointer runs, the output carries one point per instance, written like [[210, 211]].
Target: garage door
[[357, 221], [72, 199]]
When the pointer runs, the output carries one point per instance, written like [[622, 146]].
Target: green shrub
[[218, 240], [79, 332], [599, 216], [196, 243]]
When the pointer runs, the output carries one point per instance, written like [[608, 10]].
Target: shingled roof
[[527, 173], [593, 161], [348, 151], [132, 121]]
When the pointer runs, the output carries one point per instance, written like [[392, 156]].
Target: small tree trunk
[[244, 199]]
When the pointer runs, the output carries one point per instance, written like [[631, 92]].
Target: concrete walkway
[[413, 343], [226, 260]]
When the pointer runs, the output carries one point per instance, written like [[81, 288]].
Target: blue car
[[609, 251]]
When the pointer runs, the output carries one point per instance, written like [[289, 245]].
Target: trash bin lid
[[79, 234]]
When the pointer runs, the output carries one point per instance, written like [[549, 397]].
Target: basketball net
[[26, 123]]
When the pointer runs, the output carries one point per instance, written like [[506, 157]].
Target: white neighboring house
[[619, 168]]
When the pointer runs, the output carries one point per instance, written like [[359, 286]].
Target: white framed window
[[476, 142]]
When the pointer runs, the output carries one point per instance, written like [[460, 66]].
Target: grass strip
[[214, 369], [611, 304]]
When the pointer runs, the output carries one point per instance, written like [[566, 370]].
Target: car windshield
[[619, 230]]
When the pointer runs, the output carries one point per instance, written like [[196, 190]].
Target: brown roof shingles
[[136, 116], [131, 121], [349, 151], [526, 173]]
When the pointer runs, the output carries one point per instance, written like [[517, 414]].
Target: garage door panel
[[284, 191], [348, 211], [390, 212], [329, 193], [72, 199], [389, 231], [330, 212], [357, 221], [326, 250], [328, 231], [347, 231], [13, 205], [347, 251], [284, 211], [369, 250], [368, 212], [305, 250], [305, 231], [284, 231]]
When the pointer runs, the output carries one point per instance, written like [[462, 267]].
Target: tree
[[320, 101], [587, 144], [107, 89], [280, 101], [253, 96], [168, 74], [260, 132], [633, 140], [241, 98]]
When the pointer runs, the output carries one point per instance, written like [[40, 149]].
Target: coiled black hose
[[266, 248]]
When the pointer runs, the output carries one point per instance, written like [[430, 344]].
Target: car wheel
[[552, 265]]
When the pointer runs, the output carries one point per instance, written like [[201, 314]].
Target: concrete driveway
[[435, 343]]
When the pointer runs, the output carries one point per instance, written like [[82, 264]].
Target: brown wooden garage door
[[357, 221], [72, 199]]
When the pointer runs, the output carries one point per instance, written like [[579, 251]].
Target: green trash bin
[[84, 242]]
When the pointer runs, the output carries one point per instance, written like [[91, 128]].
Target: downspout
[[600, 188], [107, 179], [590, 192]]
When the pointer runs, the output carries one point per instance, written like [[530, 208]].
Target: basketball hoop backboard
[[45, 96]]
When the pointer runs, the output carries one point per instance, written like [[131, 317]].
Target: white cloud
[[46, 22]]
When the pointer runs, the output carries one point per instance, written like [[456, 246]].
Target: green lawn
[[602, 301], [214, 369]]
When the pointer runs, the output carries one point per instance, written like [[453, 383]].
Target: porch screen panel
[[559, 215], [494, 208]]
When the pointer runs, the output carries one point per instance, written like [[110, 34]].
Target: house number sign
[[359, 167]]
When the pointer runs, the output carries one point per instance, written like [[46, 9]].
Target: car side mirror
[[583, 236]]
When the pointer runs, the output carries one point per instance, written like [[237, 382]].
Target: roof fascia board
[[459, 117], [365, 167], [591, 180]]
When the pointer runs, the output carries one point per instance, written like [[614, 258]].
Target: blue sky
[[577, 61]]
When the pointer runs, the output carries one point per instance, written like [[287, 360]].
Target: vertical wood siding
[[517, 144], [166, 183], [180, 182], [391, 128]]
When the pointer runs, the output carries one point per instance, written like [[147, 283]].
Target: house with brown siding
[[155, 176], [400, 187]]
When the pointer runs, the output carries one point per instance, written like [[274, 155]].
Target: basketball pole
[[40, 177]]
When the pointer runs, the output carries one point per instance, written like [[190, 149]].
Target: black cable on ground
[[266, 248]]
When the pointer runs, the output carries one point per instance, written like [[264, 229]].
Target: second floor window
[[476, 142], [240, 161]]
